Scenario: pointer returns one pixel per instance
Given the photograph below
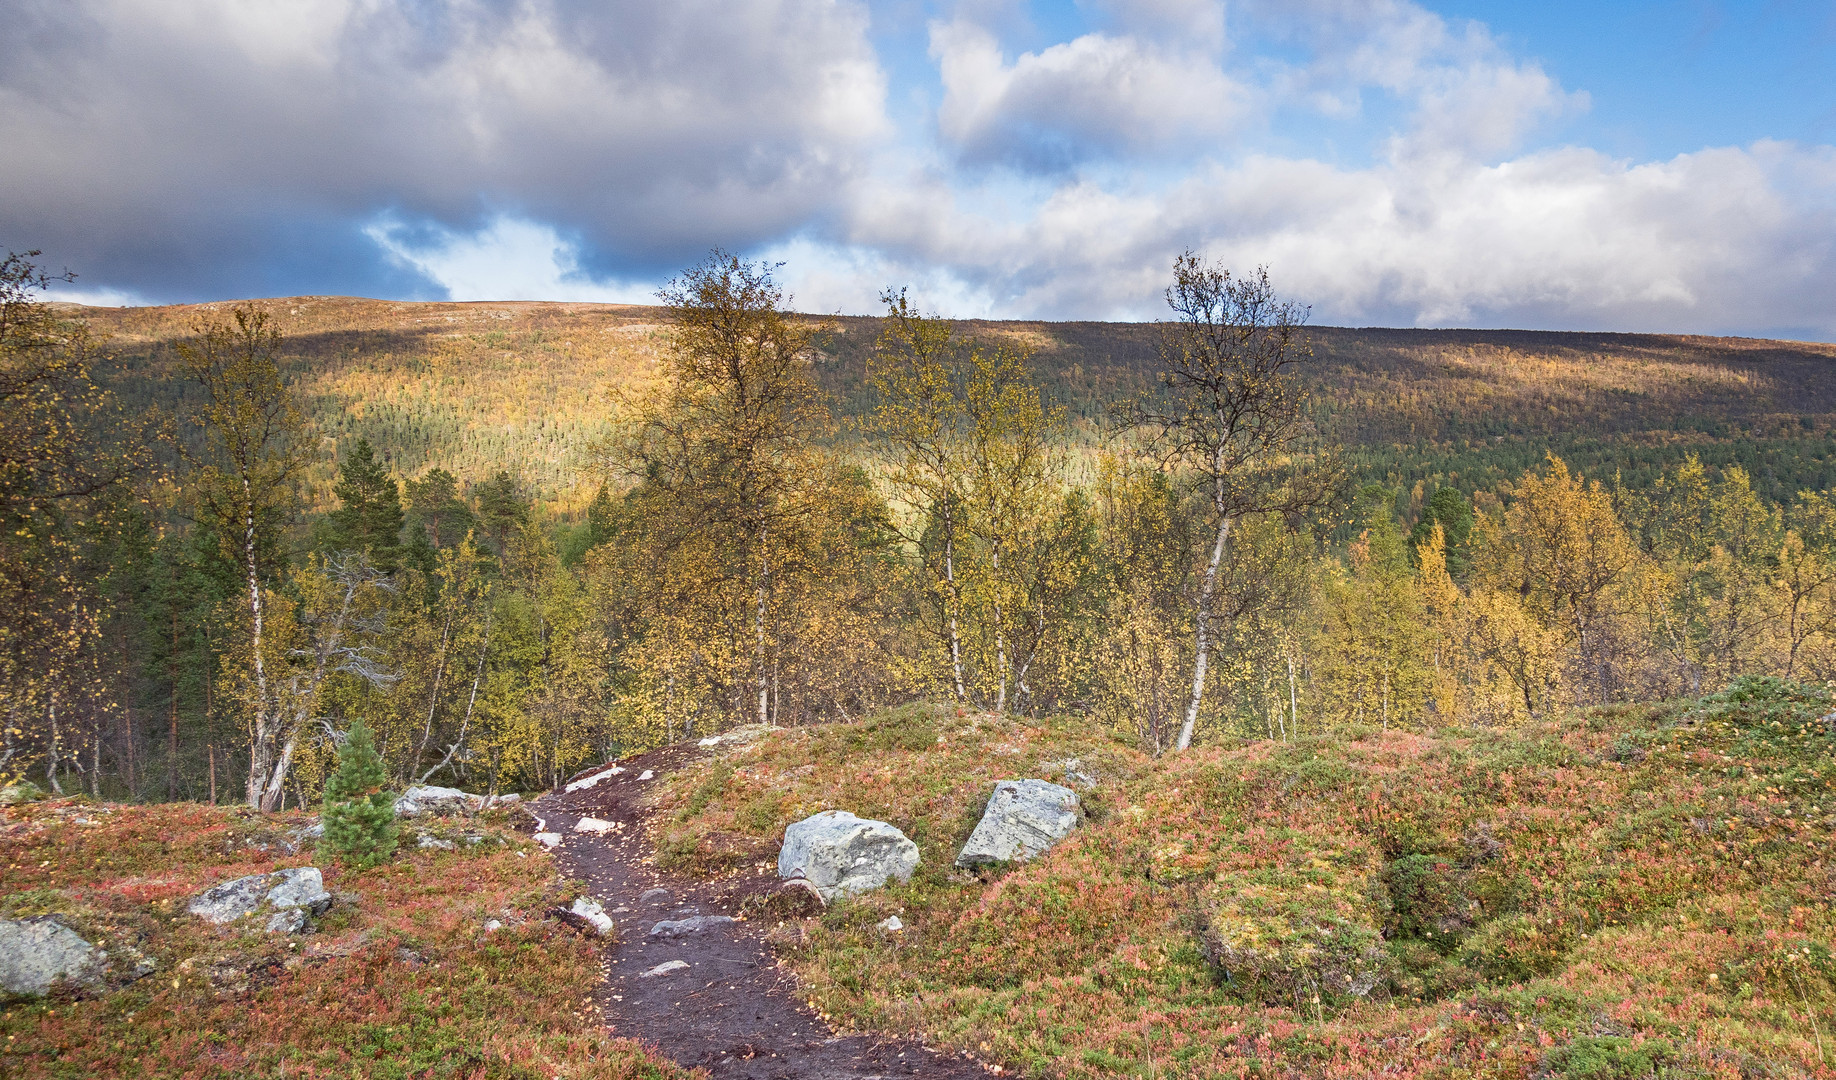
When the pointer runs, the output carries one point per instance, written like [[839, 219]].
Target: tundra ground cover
[[401, 979], [1627, 892]]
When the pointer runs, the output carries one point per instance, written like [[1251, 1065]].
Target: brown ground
[[734, 1010]]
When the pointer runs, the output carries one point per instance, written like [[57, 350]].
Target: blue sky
[[1633, 166]]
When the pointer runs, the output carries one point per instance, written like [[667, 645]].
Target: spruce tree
[[359, 814], [370, 520]]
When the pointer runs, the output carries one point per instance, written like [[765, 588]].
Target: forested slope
[[480, 386]]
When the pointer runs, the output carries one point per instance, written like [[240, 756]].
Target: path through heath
[[706, 991]]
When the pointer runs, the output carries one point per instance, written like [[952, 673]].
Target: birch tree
[[253, 450], [1232, 416], [729, 445]]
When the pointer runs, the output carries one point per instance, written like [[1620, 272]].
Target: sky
[[1638, 166]]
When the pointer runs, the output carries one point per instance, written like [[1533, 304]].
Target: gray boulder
[[300, 890], [1023, 818], [441, 801], [36, 952], [842, 855]]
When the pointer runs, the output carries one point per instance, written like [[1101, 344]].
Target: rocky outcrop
[[293, 895], [843, 855], [35, 953], [1023, 819], [425, 799]]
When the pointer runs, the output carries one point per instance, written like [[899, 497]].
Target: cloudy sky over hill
[[1651, 166]]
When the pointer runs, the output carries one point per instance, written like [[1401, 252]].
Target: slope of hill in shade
[[528, 386]]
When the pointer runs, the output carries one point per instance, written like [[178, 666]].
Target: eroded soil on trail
[[729, 1007]]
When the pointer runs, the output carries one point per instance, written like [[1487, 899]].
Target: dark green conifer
[[359, 813], [370, 520]]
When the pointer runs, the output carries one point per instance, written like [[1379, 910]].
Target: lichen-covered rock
[[842, 855], [426, 799], [298, 889], [1023, 819], [35, 953]]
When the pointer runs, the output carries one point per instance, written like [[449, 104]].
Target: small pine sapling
[[359, 814]]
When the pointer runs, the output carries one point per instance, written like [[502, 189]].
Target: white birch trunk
[[263, 748], [1207, 589]]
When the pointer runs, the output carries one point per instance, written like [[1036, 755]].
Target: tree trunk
[[1000, 633], [172, 716], [1207, 589], [950, 599], [758, 624], [261, 750], [51, 754]]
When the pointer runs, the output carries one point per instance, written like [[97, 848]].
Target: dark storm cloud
[[171, 147]]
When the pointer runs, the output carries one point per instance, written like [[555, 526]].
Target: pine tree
[[370, 520], [359, 814]]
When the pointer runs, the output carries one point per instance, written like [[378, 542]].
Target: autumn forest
[[518, 539]]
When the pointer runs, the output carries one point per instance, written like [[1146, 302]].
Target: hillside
[[528, 386], [1631, 892]]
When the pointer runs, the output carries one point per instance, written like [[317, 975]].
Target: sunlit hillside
[[528, 386]]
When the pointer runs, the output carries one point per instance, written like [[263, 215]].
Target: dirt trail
[[731, 1010]]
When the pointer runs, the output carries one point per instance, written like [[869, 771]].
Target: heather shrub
[[1516, 948], [359, 814], [1607, 1057], [1288, 935]]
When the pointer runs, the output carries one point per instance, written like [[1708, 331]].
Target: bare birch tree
[[1232, 416]]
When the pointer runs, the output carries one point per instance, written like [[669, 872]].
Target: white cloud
[[1740, 238], [1096, 94]]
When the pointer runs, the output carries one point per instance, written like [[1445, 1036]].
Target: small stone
[[891, 924], [659, 897], [594, 914], [492, 926], [593, 825], [647, 775], [426, 842], [549, 840], [37, 952], [694, 925], [665, 968]]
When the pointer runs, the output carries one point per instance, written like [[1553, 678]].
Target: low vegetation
[[1628, 891], [400, 979]]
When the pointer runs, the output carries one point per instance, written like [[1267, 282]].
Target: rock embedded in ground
[[593, 825], [425, 799], [592, 780], [892, 924], [549, 840], [300, 888], [843, 855], [659, 897], [692, 925], [1023, 818], [35, 953], [665, 968], [426, 841], [593, 914]]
